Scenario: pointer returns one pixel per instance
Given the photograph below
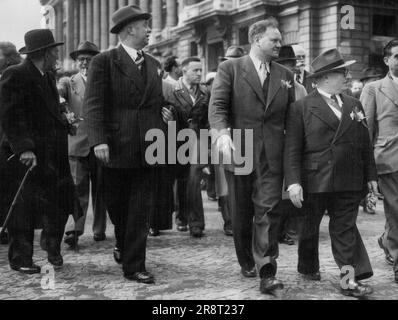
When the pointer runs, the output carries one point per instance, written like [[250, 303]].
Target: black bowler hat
[[38, 39], [327, 62], [286, 53], [85, 47], [125, 15]]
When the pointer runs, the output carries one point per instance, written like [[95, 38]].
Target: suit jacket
[[72, 90], [380, 101], [121, 106], [237, 101], [30, 116], [324, 154]]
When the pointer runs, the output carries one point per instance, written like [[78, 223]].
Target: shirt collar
[[257, 62], [186, 84], [328, 95], [130, 51]]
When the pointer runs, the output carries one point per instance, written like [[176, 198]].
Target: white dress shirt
[[327, 95], [258, 64], [133, 53]]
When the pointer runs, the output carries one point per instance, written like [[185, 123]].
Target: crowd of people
[[322, 144]]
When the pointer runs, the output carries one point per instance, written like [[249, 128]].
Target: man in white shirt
[[329, 165]]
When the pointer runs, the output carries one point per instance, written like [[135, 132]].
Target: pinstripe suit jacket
[[121, 105]]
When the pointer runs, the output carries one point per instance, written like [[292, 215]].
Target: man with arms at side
[[329, 165], [253, 93], [380, 101]]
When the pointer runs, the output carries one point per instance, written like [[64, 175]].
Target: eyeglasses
[[84, 59], [342, 71]]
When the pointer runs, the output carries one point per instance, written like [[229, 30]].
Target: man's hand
[[296, 195], [224, 144], [167, 115], [28, 158], [102, 153], [373, 187]]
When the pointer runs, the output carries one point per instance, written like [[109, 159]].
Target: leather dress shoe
[[196, 232], [389, 258], [360, 290], [72, 240], [228, 232], [57, 260], [270, 284], [315, 276], [286, 240], [117, 255], [153, 232], [4, 238], [141, 277], [249, 273], [182, 228], [27, 270], [99, 236]]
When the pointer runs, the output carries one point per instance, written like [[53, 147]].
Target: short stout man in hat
[[380, 100], [36, 135], [83, 163], [329, 165], [123, 101]]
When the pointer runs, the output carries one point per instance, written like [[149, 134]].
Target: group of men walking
[[316, 148]]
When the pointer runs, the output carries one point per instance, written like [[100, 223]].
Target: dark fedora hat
[[370, 73], [233, 52], [286, 53], [85, 47], [38, 39], [125, 15], [328, 61]]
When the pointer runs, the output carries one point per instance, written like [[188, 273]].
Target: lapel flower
[[358, 115], [286, 84]]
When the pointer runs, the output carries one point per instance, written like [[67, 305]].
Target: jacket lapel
[[389, 89], [346, 120], [183, 93], [319, 108], [151, 74], [128, 67], [274, 83], [250, 74]]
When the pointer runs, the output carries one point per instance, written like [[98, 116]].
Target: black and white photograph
[[199, 154]]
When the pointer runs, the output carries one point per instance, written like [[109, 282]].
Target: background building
[[205, 28]]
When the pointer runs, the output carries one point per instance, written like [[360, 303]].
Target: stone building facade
[[205, 28]]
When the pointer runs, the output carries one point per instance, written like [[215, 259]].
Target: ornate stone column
[[157, 16], [112, 8], [104, 24], [76, 34], [70, 25], [171, 6], [59, 12], [97, 23], [89, 20], [82, 20]]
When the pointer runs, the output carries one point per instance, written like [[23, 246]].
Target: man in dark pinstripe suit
[[122, 102]]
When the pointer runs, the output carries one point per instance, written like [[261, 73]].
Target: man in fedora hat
[[232, 52], [302, 75], [123, 100], [36, 136], [82, 160], [253, 92], [329, 165], [380, 101]]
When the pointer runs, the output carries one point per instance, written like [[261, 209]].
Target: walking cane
[[15, 198]]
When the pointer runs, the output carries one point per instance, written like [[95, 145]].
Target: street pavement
[[191, 269]]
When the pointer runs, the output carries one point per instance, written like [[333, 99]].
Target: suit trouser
[[255, 196], [84, 170], [189, 196], [347, 246], [388, 184], [21, 230], [129, 197]]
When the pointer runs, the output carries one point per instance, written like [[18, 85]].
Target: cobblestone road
[[187, 268]]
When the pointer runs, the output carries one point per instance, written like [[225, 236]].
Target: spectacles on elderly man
[[82, 59]]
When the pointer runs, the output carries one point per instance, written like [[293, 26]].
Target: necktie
[[263, 73], [334, 98], [139, 60], [298, 78]]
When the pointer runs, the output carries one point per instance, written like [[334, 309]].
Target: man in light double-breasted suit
[[84, 166], [380, 101], [253, 93]]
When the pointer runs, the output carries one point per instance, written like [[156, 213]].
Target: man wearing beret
[[83, 164], [329, 165], [123, 100]]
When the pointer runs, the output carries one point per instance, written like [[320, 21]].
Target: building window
[[384, 25], [194, 49], [243, 36]]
